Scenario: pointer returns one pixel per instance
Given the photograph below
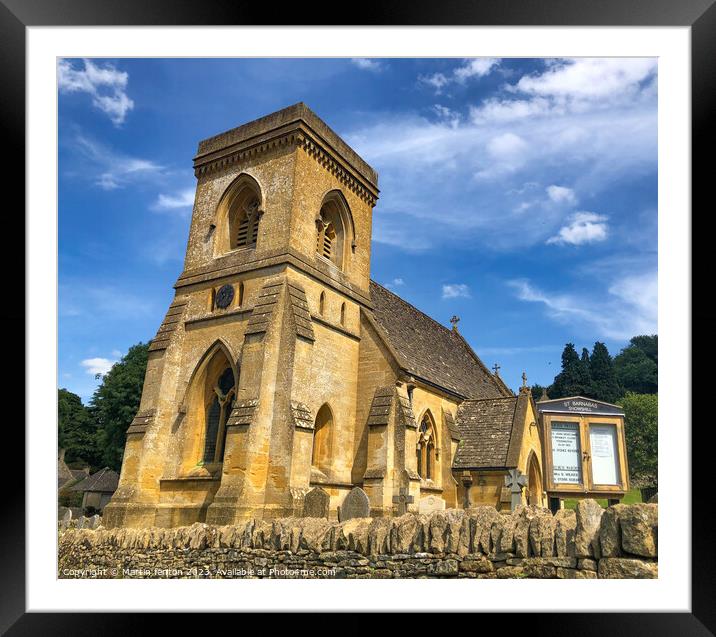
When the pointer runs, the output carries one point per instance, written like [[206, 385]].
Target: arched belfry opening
[[335, 236], [210, 398], [322, 440], [427, 443], [238, 216]]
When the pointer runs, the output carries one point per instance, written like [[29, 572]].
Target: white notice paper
[[566, 464], [603, 441]]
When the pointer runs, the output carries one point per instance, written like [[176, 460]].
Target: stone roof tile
[[104, 481], [431, 351], [485, 430]]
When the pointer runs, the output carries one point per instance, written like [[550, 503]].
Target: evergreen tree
[[604, 385], [585, 373], [574, 378], [77, 431], [116, 401], [636, 371]]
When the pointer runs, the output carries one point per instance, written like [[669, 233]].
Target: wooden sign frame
[[587, 488]]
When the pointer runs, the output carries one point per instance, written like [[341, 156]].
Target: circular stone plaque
[[224, 296]]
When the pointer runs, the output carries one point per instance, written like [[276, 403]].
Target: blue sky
[[519, 194]]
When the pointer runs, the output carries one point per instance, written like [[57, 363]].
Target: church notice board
[[585, 448]]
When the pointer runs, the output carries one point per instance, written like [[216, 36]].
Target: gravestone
[[515, 481], [315, 504], [94, 521], [355, 505], [81, 522], [430, 503], [66, 517], [403, 500]]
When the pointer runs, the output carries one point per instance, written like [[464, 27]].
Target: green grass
[[631, 497]]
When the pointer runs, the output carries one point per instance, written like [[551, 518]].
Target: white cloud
[[561, 194], [183, 200], [112, 170], [367, 64], [470, 68], [497, 110], [477, 67], [96, 366], [477, 177], [583, 227], [590, 78], [395, 283], [506, 145], [630, 306], [105, 84], [573, 86], [437, 80], [456, 290], [447, 115]]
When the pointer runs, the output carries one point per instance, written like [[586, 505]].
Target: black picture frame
[[699, 15]]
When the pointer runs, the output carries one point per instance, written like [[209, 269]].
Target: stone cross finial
[[402, 500], [496, 369], [515, 480], [524, 379], [454, 321]]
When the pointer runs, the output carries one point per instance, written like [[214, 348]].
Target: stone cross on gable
[[402, 500], [454, 321], [496, 369], [524, 379], [515, 480]]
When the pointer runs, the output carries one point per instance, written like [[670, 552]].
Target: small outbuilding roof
[[103, 481], [491, 432], [430, 351]]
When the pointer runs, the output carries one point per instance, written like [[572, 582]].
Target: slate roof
[[487, 427], [105, 481], [430, 351]]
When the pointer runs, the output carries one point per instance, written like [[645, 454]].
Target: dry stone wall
[[589, 543]]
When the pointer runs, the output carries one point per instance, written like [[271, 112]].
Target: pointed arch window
[[426, 448], [322, 303], [220, 400]]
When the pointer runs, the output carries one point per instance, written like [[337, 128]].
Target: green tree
[[574, 379], [641, 417], [636, 371], [77, 431], [604, 384], [537, 391], [116, 401], [649, 344]]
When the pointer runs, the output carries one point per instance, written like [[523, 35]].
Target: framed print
[[374, 307]]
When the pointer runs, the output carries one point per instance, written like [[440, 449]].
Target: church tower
[[255, 365]]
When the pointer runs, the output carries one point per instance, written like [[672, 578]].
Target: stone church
[[280, 366]]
